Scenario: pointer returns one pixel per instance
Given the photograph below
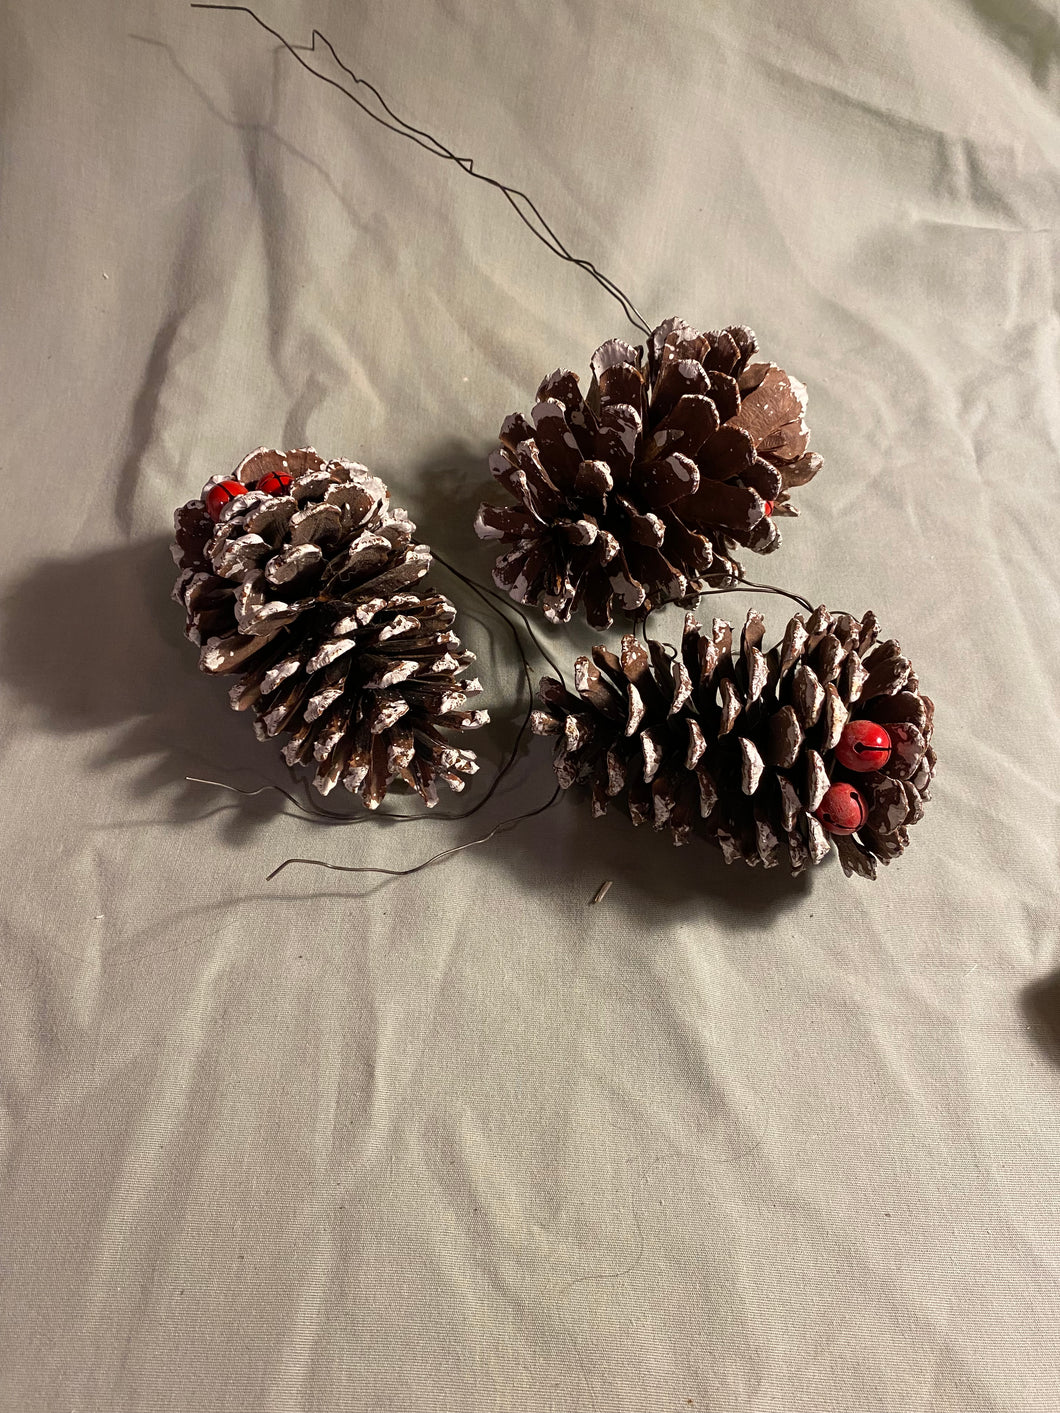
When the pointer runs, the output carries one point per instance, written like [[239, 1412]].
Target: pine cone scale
[[692, 420], [665, 480], [727, 454]]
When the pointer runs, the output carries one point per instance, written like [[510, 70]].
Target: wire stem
[[435, 858], [518, 200]]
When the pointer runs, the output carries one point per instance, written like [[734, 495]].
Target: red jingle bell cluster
[[274, 483], [863, 747]]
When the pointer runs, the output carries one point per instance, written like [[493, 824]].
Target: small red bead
[[843, 809], [217, 497], [769, 507], [863, 746], [275, 483]]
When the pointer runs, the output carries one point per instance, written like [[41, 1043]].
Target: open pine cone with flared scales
[[642, 492], [297, 574], [824, 739]]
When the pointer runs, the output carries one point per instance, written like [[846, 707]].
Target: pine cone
[[640, 493], [743, 750], [307, 586]]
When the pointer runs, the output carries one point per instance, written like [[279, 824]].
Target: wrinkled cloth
[[461, 1140]]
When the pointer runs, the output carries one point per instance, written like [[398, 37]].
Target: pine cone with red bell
[[299, 576], [645, 490], [824, 739]]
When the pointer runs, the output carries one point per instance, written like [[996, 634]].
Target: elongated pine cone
[[306, 583], [641, 493], [757, 752]]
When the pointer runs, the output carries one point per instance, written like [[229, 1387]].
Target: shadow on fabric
[[94, 644], [443, 494], [1040, 1003], [565, 855], [565, 850], [562, 852]]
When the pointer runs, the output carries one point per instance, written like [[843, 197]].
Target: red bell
[[217, 497], [274, 483], [843, 809], [769, 507], [863, 746]]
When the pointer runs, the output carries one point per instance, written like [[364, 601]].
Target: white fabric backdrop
[[460, 1141]]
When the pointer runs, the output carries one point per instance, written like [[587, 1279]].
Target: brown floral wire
[[322, 816], [485, 594], [516, 199], [737, 586], [435, 858], [746, 586], [482, 591]]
